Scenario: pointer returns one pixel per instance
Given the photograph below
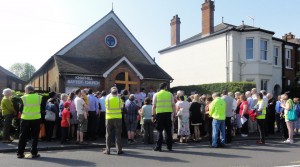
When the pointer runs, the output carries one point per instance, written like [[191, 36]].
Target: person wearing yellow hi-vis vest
[[162, 109], [261, 107], [30, 121], [113, 122]]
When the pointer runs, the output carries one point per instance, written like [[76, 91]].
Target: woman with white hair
[[8, 112]]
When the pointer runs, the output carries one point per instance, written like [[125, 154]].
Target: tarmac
[[100, 143]]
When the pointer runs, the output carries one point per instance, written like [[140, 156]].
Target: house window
[[276, 56], [288, 60], [264, 84], [249, 48], [263, 49]]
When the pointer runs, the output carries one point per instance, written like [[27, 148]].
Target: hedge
[[216, 87]]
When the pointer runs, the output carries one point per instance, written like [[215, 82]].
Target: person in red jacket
[[65, 122]]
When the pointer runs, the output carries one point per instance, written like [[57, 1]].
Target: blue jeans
[[218, 126]]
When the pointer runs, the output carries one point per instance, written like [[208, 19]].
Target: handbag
[[42, 131], [179, 113], [292, 115], [50, 116]]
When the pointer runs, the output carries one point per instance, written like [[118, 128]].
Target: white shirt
[[79, 105]]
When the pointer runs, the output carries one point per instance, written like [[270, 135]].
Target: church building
[[105, 55]]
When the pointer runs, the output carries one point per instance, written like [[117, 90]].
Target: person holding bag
[[287, 106], [50, 117]]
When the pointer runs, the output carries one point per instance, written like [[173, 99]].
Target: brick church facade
[[105, 55]]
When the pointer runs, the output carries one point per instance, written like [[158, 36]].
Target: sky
[[32, 31]]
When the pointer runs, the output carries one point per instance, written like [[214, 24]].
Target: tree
[[23, 71]]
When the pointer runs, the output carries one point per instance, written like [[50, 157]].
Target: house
[[10, 80], [228, 53], [105, 55]]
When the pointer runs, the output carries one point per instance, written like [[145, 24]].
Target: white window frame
[[288, 58], [264, 84], [263, 51], [276, 55], [250, 38]]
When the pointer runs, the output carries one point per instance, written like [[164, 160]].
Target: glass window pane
[[249, 43]]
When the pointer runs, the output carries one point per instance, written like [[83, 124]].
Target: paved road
[[238, 154]]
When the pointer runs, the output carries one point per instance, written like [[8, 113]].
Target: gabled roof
[[89, 31], [218, 29], [123, 59], [8, 73], [98, 67]]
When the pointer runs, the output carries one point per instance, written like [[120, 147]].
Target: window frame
[[250, 49], [288, 58], [276, 55], [263, 50], [264, 84]]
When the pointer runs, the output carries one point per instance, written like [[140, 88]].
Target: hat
[[67, 104]]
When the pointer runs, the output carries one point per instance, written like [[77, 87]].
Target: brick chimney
[[288, 37], [208, 8], [175, 30]]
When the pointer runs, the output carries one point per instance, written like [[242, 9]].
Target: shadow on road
[[134, 154], [64, 161], [210, 154]]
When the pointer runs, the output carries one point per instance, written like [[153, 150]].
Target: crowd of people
[[87, 115]]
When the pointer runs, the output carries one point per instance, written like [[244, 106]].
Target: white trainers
[[287, 141], [244, 135], [291, 141]]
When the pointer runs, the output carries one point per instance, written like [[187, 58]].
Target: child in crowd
[[146, 113], [65, 122]]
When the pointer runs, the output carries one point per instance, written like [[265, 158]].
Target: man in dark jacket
[[270, 116]]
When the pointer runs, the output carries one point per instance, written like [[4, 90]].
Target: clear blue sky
[[33, 30]]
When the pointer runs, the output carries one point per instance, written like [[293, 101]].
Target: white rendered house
[[223, 53]]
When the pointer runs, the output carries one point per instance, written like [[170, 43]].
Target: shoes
[[170, 149], [214, 146], [20, 156], [157, 149], [36, 155], [106, 152], [222, 145], [287, 141], [83, 143], [260, 142], [244, 135], [120, 152]]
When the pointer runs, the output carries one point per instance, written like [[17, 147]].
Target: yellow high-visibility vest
[[264, 111], [163, 102], [32, 107], [113, 106]]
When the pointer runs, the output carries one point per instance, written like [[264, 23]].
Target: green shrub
[[216, 87]]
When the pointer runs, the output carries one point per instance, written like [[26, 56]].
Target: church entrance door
[[123, 81]]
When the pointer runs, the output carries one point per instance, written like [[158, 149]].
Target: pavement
[[100, 143]]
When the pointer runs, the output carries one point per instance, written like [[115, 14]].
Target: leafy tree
[[23, 71]]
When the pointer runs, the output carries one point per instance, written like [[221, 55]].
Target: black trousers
[[245, 129], [64, 134], [92, 124], [261, 129], [285, 132], [164, 122], [49, 126], [278, 122], [271, 123], [29, 128], [102, 128], [228, 126]]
